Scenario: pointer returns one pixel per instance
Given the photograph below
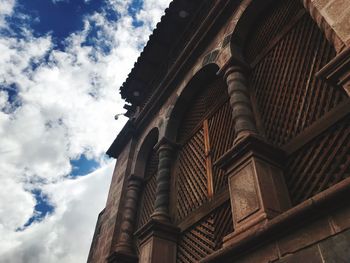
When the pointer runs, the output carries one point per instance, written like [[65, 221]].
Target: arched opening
[[285, 49], [147, 166], [205, 131]]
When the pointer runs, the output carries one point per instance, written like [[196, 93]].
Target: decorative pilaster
[[158, 238], [157, 242], [127, 228], [240, 102], [161, 207], [253, 166]]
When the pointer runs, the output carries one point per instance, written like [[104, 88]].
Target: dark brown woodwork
[[204, 210], [206, 100], [206, 236], [289, 96], [148, 196], [221, 134], [192, 176], [318, 127], [206, 132], [269, 26], [295, 106], [208, 160], [321, 163]]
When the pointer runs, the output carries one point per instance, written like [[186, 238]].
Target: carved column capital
[[235, 77]]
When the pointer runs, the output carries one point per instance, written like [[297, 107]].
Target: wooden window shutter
[[148, 197], [285, 50], [206, 132]]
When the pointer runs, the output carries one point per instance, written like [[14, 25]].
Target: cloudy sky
[[61, 64]]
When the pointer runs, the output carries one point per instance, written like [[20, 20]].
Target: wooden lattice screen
[[206, 133], [204, 237], [285, 51], [321, 163], [148, 197]]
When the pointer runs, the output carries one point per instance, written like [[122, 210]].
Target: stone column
[[161, 207], [253, 166], [158, 238], [240, 102], [124, 247]]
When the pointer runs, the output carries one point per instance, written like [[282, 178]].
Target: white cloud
[[65, 104], [6, 9], [64, 236]]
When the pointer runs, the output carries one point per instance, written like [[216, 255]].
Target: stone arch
[[250, 12], [144, 151], [206, 74]]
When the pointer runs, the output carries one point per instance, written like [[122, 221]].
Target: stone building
[[237, 144]]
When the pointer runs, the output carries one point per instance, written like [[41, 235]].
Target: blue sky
[[61, 63]]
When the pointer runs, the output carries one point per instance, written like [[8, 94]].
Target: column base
[[257, 189], [122, 257], [158, 242], [161, 217]]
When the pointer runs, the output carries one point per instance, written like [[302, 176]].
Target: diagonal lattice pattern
[[321, 163], [206, 236], [191, 175]]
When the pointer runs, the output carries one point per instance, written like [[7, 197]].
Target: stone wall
[[109, 219], [325, 240]]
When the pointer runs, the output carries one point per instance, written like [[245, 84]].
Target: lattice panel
[[200, 106], [221, 135], [288, 95], [206, 236], [191, 175], [320, 164], [270, 25], [149, 191]]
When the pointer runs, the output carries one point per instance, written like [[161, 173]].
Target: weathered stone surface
[[245, 200], [305, 236], [268, 253], [341, 219], [336, 249], [309, 255]]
